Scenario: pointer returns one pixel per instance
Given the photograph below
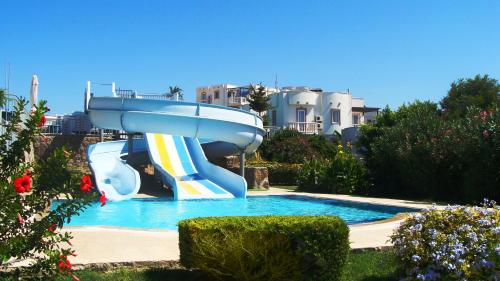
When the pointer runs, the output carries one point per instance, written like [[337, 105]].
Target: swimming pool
[[164, 213]]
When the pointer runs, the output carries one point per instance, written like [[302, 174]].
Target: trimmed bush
[[458, 243], [266, 247]]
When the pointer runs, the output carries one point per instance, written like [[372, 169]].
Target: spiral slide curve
[[172, 130]]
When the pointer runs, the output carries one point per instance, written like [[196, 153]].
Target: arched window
[[203, 97]]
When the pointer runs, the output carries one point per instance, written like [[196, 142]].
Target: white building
[[226, 95], [313, 111]]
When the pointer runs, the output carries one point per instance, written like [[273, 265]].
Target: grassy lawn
[[367, 266], [371, 266]]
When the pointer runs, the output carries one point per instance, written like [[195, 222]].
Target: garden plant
[[458, 243], [419, 152], [32, 245], [342, 174]]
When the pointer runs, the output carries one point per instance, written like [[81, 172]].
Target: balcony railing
[[134, 95], [236, 100], [308, 128], [271, 130]]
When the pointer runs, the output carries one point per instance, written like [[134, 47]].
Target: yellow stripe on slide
[[188, 188], [166, 163]]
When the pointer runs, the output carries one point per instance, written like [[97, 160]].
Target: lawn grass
[[131, 274], [365, 266], [371, 266]]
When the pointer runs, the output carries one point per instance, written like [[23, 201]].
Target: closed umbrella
[[34, 91]]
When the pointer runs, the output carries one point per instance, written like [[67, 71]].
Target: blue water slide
[[172, 131], [113, 175]]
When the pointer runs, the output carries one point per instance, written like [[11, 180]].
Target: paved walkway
[[107, 245]]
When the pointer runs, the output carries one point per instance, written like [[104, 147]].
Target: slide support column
[[242, 164], [130, 143]]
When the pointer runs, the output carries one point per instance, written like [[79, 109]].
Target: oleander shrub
[[458, 243], [418, 152], [291, 146], [266, 247], [29, 229], [342, 174]]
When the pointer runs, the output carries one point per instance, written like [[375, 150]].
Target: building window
[[301, 115], [273, 118], [216, 94], [356, 119], [203, 97], [335, 114]]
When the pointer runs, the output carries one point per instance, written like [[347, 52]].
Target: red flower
[[20, 218], [22, 184], [42, 121], [64, 263], [102, 199], [52, 228], [86, 184]]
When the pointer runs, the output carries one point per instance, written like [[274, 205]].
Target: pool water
[[164, 213]]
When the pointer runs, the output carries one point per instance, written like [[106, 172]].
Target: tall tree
[[173, 91], [258, 99], [480, 91]]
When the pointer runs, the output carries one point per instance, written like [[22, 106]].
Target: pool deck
[[97, 245]]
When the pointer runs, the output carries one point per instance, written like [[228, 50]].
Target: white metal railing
[[271, 130], [236, 100], [134, 95], [304, 127]]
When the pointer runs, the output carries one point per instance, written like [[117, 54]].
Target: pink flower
[[20, 219]]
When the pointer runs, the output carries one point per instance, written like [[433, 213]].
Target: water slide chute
[[172, 131]]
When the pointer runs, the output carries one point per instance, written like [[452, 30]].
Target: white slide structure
[[171, 130]]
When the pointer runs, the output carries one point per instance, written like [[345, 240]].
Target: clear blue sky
[[388, 52]]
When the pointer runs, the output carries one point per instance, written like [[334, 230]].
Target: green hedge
[[266, 248], [280, 173]]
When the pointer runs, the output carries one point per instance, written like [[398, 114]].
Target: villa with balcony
[[226, 95], [314, 111], [305, 109]]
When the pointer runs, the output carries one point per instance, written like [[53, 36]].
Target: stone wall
[[256, 177], [77, 144]]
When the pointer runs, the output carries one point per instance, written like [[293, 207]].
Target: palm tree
[[175, 92]]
